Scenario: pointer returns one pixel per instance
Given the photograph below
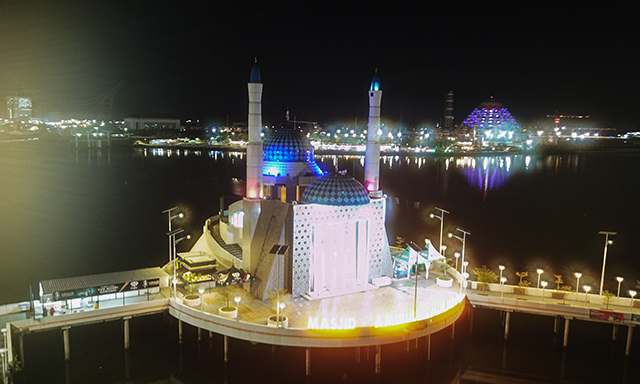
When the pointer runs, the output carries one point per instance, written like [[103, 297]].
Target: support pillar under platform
[[565, 340], [127, 343], [507, 316], [65, 339]]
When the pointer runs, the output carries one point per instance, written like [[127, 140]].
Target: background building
[[492, 125], [19, 107], [151, 123]]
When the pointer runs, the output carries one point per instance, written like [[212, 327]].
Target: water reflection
[[483, 173]]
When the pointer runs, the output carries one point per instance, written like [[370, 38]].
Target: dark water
[[68, 213]]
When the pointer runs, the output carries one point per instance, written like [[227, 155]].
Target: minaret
[[254, 148], [448, 111], [372, 155]]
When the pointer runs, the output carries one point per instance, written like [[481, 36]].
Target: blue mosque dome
[[287, 145], [336, 189], [255, 74], [288, 152]]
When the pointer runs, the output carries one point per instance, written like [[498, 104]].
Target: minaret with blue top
[[372, 155], [254, 148]]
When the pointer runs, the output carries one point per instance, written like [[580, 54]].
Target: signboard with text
[[597, 314], [133, 285]]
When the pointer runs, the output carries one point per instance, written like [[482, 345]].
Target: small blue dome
[[288, 152], [255, 74], [336, 189], [375, 83], [287, 145]]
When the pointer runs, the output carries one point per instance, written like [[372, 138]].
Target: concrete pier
[[308, 360], [565, 340], [65, 339], [378, 357], [507, 315], [226, 348], [126, 333], [627, 350]]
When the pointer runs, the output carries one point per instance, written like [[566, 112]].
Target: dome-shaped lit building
[[492, 124], [287, 164], [336, 189]]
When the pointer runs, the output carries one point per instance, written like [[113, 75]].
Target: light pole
[[463, 239], [171, 217], [457, 255], [237, 300], [604, 259], [172, 242], [633, 294], [586, 294], [441, 218], [201, 290], [501, 267], [618, 295], [282, 311], [578, 276], [540, 272], [502, 281], [544, 285], [175, 282], [444, 249], [465, 275]]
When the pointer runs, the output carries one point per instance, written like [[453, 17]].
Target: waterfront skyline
[[190, 60]]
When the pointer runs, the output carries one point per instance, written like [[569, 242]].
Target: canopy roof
[[427, 255], [91, 281]]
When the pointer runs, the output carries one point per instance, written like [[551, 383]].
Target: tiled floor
[[361, 309]]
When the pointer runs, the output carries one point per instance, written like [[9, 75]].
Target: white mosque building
[[316, 235]]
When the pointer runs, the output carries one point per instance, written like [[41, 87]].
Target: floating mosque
[[313, 234]]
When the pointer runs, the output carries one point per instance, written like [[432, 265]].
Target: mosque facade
[[329, 228]]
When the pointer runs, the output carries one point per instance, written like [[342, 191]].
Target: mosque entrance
[[340, 263]]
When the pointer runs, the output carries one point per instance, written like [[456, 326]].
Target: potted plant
[[227, 310], [444, 280], [485, 276], [522, 284], [192, 299], [277, 296], [606, 298], [562, 292]]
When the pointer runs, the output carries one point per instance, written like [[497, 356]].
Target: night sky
[[192, 59]]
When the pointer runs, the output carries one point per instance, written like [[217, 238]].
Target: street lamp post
[[465, 275], [501, 267], [544, 285], [578, 276], [175, 282], [586, 294], [282, 311], [633, 294], [441, 218], [171, 217], [540, 272], [173, 241], [620, 279], [201, 290], [457, 255], [463, 239], [502, 281], [604, 259]]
